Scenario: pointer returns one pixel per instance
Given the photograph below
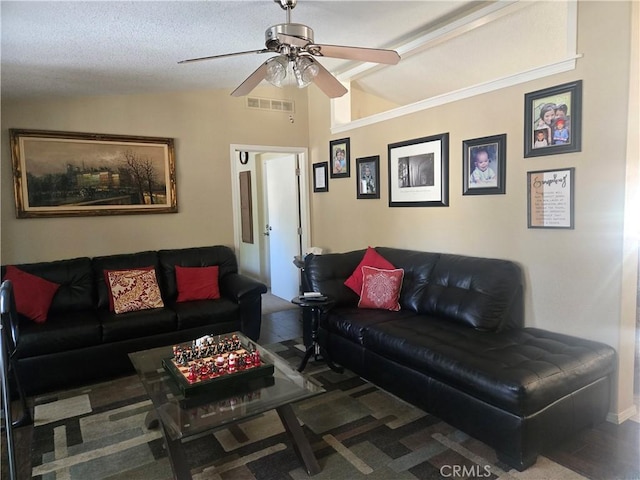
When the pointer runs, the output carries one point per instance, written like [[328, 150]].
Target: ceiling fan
[[295, 62]]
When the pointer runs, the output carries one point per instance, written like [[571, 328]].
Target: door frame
[[303, 155]]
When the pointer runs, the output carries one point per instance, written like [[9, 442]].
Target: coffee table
[[181, 417]]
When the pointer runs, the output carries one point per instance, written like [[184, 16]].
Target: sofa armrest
[[247, 293]]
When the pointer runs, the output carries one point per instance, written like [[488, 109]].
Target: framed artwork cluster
[[418, 169]]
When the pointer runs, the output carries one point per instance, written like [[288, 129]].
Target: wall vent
[[285, 106]]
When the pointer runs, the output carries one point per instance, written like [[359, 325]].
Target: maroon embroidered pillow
[[381, 288], [133, 290]]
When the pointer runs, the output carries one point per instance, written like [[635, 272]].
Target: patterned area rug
[[355, 429]]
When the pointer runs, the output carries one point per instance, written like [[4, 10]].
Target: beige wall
[[573, 277], [203, 124]]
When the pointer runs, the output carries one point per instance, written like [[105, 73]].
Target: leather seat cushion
[[142, 323], [520, 371], [198, 313], [61, 332], [351, 323]]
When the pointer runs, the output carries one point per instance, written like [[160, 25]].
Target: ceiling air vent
[[285, 106]]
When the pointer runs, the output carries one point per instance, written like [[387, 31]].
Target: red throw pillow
[[381, 288], [197, 283], [371, 259], [133, 290], [33, 294]]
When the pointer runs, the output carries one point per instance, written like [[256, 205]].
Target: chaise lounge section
[[457, 348], [83, 340]]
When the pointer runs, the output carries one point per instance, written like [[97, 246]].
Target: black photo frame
[[553, 120], [419, 172], [321, 177], [484, 162], [340, 154], [368, 177]]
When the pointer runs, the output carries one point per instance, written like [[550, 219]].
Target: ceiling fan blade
[[223, 56], [329, 84], [251, 82], [376, 55]]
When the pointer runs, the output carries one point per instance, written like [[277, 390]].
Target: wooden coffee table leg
[[299, 439]]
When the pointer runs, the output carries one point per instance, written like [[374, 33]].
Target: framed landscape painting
[[76, 174]]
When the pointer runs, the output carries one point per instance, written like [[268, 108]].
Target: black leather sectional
[[459, 350], [82, 340]]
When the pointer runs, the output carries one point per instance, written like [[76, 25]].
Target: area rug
[[355, 429]]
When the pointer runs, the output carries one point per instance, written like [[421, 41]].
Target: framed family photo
[[321, 177], [419, 172], [368, 177], [82, 174], [340, 158], [553, 120], [550, 196], [484, 165]]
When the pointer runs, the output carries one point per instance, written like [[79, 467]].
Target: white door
[[283, 225]]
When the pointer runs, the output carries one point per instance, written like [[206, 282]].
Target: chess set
[[215, 362]]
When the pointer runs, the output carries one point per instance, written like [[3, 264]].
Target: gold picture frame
[[59, 174]]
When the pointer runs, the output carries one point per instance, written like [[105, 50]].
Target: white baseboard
[[623, 416]]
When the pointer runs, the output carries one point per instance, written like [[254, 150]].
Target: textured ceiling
[[79, 48], [97, 48]]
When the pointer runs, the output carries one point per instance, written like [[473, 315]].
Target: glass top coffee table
[[181, 417]]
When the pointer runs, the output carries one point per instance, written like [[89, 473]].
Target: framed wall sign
[[484, 165], [76, 174], [419, 172], [340, 158], [321, 177], [550, 198], [553, 120], [368, 177]]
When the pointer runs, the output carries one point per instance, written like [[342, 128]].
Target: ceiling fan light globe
[[276, 71], [306, 70]]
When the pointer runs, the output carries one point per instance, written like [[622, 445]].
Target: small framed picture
[[419, 172], [321, 177], [368, 177], [553, 120], [550, 198], [484, 165], [340, 158]]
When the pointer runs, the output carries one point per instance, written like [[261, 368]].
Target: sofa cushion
[[205, 312], [381, 288], [197, 283], [371, 258], [133, 290], [127, 261], [33, 294], [520, 370], [218, 255], [353, 322], [61, 332], [125, 326]]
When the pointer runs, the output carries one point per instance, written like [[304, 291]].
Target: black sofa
[[458, 349], [82, 340]]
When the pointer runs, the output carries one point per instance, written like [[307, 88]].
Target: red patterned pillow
[[371, 259], [197, 283], [381, 288], [33, 295], [133, 290]]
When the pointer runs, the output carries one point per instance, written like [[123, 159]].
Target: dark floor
[[605, 452]]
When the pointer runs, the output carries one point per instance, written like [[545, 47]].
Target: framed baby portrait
[[368, 177], [553, 120], [484, 165], [340, 158]]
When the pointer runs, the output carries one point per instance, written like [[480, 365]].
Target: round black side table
[[315, 308]]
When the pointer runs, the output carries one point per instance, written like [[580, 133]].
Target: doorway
[[280, 214]]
